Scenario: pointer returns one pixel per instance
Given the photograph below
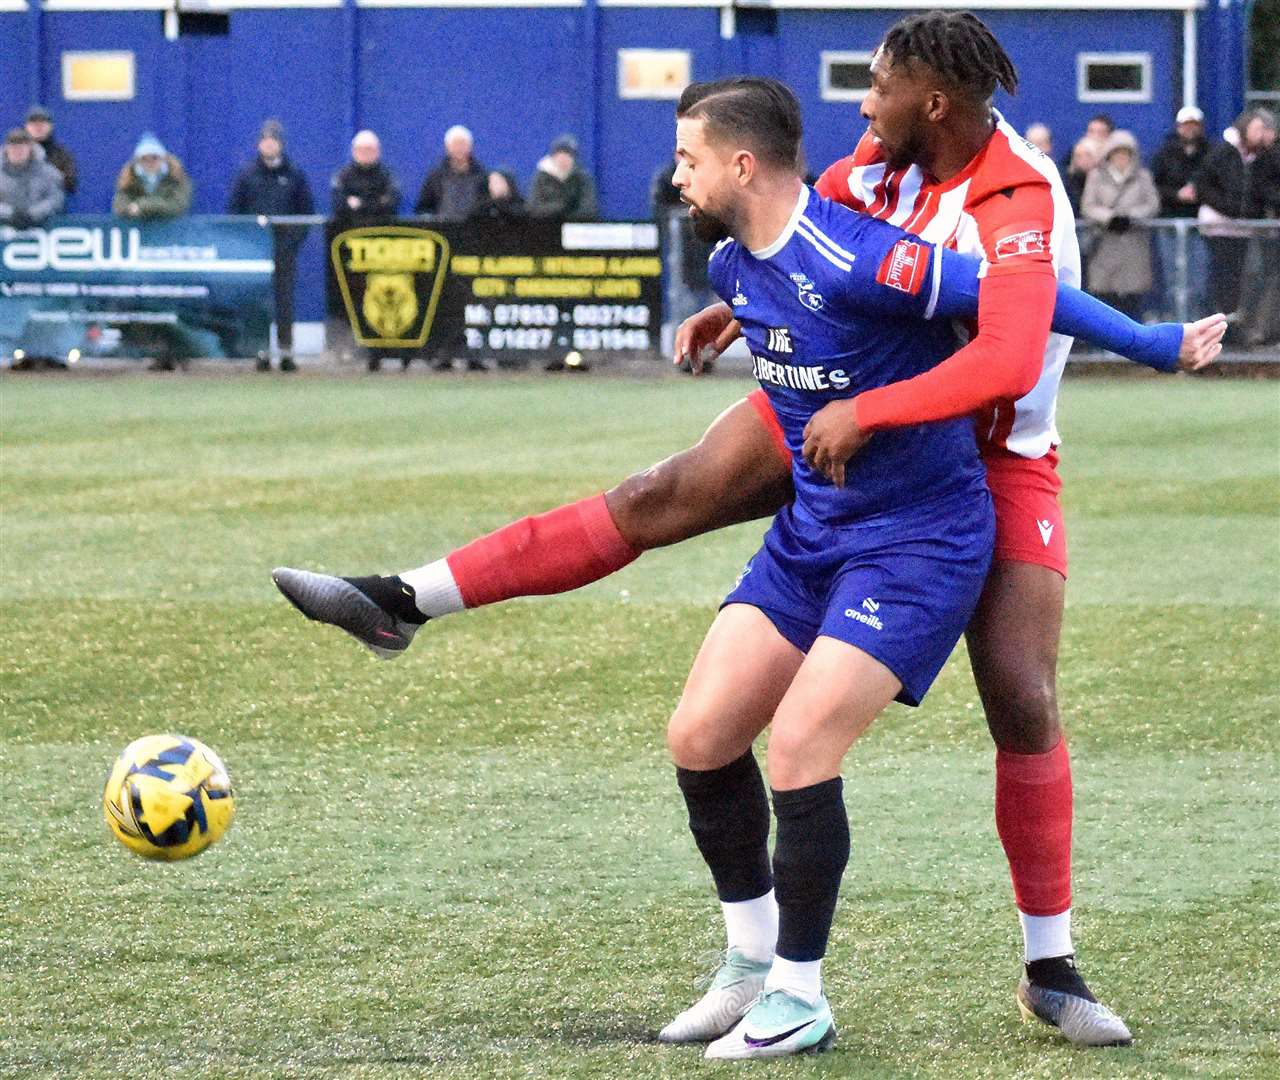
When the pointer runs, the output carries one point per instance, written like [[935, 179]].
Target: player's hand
[[713, 327], [831, 438], [1201, 342]]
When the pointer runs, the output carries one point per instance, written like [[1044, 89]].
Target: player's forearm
[[1002, 362], [1075, 314]]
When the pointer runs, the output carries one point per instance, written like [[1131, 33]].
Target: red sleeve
[[1003, 362], [1015, 311], [834, 183]]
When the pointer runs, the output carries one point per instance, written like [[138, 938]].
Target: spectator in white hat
[[1175, 163]]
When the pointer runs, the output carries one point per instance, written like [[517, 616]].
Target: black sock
[[729, 818], [1058, 973], [809, 857], [391, 594]]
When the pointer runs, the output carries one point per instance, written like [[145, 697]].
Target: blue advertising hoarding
[[105, 286]]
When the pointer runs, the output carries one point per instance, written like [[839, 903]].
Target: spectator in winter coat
[[1225, 185], [502, 200], [269, 186], [1118, 193], [562, 189], [39, 126], [1172, 168], [453, 188], [153, 184], [1084, 158], [30, 189], [364, 190], [1176, 162]]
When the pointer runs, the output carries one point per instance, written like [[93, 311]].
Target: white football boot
[[737, 982], [778, 1024]]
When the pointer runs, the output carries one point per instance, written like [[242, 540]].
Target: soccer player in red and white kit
[[940, 162]]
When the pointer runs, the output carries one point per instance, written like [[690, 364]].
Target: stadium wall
[[519, 75]]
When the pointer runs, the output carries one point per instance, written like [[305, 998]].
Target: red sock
[[554, 552], [1033, 818]]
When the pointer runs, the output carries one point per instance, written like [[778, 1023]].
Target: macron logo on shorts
[[868, 616], [905, 267], [1046, 530]]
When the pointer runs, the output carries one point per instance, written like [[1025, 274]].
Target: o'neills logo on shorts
[[1027, 242], [905, 266], [390, 277]]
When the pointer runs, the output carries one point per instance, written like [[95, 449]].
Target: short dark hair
[[762, 114], [1106, 118], [958, 46]]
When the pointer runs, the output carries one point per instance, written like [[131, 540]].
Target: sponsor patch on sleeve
[[905, 267], [1026, 242]]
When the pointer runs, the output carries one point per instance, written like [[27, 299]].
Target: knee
[[695, 741], [646, 507], [793, 760], [1024, 719]]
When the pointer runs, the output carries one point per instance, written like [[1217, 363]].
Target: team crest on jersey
[[1027, 242], [809, 296], [905, 267]]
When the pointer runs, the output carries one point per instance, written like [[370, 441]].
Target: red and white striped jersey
[[1008, 207]]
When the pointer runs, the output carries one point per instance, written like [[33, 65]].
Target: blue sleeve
[[1076, 314], [886, 271]]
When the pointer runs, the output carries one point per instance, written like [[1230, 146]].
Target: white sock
[[800, 978], [434, 590], [1046, 935], [752, 926]]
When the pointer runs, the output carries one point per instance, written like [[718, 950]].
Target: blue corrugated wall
[[518, 77]]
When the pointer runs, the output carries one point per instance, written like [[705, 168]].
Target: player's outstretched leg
[[1013, 647], [378, 612], [737, 472]]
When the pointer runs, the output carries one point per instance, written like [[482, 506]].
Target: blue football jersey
[[838, 304]]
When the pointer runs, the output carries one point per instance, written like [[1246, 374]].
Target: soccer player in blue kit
[[860, 591]]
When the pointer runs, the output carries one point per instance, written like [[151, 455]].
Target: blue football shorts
[[900, 586]]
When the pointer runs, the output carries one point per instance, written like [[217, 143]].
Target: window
[[97, 76], [846, 76], [653, 73], [1113, 77]]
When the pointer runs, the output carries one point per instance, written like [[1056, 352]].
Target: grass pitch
[[473, 862]]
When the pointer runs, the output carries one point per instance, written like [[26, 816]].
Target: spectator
[[453, 188], [1039, 136], [268, 186], [501, 200], [1097, 131], [1172, 168], [1262, 289], [1118, 193], [153, 184], [30, 189], [1085, 156], [364, 190], [1225, 186], [1176, 163], [39, 126], [562, 189]]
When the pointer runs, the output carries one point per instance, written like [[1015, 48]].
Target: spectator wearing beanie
[[39, 125], [30, 188], [270, 186], [562, 189], [152, 184]]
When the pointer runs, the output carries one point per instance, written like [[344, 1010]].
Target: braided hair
[[958, 46]]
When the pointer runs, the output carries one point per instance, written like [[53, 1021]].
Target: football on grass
[[168, 797]]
